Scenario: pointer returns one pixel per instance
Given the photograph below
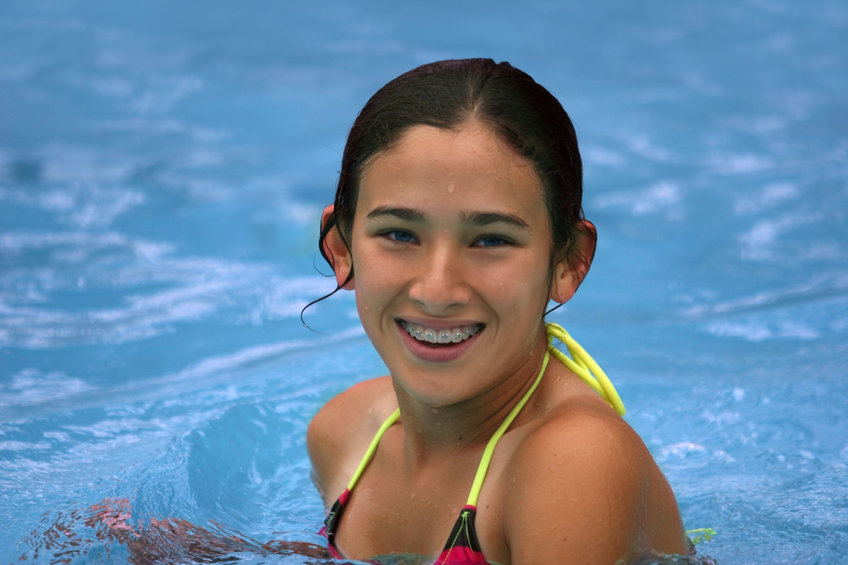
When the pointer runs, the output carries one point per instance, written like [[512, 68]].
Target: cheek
[[520, 287], [375, 284]]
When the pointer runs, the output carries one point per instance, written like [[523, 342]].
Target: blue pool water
[[162, 170]]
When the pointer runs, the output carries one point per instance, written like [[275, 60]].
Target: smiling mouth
[[437, 337]]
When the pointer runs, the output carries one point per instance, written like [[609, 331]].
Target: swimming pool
[[162, 170]]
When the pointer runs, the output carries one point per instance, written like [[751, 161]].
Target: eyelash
[[398, 236], [486, 241], [498, 241]]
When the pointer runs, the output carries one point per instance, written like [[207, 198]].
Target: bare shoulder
[[342, 429], [588, 491], [581, 432]]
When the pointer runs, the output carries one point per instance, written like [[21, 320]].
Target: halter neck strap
[[580, 362]]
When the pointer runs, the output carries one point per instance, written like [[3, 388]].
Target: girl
[[456, 220]]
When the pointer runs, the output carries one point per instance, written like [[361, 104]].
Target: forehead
[[469, 166]]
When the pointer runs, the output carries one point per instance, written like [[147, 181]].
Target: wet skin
[[451, 234]]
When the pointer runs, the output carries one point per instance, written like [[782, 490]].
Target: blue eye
[[400, 236], [491, 241]]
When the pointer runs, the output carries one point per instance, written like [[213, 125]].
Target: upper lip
[[439, 324]]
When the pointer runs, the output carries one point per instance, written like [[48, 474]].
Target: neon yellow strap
[[483, 468], [584, 366], [373, 447], [581, 363], [701, 535]]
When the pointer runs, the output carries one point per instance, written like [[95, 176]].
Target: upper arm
[[582, 495], [339, 433], [320, 445]]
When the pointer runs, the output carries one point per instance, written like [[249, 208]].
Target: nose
[[440, 286]]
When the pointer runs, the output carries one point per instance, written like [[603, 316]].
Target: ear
[[570, 270], [337, 251]]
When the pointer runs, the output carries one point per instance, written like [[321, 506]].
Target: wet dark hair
[[447, 94]]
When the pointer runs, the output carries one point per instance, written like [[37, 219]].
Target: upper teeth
[[430, 335]]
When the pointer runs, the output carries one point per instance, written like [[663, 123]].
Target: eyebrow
[[487, 218], [473, 218], [408, 214]]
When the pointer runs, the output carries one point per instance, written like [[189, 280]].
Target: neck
[[431, 431]]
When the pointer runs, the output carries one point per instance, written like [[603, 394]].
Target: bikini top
[[462, 547]]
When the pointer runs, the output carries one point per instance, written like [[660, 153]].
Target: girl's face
[[451, 247]]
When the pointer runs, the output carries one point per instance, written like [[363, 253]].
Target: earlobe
[[336, 251], [570, 271], [564, 284]]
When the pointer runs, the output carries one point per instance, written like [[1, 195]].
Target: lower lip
[[440, 354]]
